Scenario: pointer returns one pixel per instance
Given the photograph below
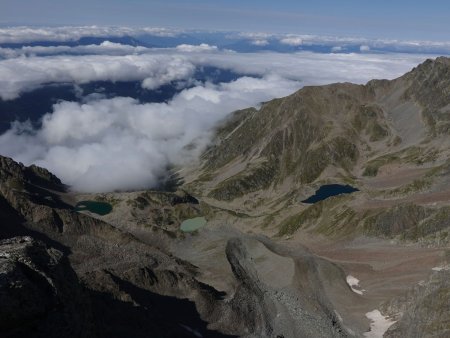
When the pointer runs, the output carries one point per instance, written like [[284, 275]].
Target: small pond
[[193, 224], [99, 208], [329, 190]]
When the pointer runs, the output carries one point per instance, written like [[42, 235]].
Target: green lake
[[193, 224], [99, 208]]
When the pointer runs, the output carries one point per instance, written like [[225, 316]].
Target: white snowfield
[[441, 268], [379, 325], [353, 282]]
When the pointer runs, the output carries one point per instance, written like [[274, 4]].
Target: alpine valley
[[232, 245]]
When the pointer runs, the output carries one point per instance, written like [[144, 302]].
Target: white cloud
[[25, 73], [364, 48], [255, 38], [292, 41], [259, 42], [252, 35], [105, 48], [313, 68], [200, 48], [118, 143], [25, 34], [410, 46], [156, 67]]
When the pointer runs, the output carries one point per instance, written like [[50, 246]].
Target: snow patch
[[441, 268], [379, 325], [354, 284]]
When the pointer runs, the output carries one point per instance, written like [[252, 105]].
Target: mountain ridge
[[342, 133]]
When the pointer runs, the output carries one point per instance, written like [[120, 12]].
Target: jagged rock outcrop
[[40, 295]]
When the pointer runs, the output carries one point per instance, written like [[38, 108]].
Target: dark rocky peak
[[44, 178], [430, 83], [18, 174], [39, 292], [20, 184]]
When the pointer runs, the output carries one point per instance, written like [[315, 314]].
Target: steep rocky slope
[[387, 138], [338, 126]]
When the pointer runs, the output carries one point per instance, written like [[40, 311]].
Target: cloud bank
[[24, 34], [26, 73], [292, 41], [344, 44], [156, 67], [105, 48], [119, 143]]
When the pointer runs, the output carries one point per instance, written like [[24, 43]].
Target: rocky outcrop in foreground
[[84, 277], [39, 292]]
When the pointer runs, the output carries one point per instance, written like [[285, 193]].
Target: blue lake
[[193, 224], [99, 208], [329, 190]]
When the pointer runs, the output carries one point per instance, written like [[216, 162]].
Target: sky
[[399, 19]]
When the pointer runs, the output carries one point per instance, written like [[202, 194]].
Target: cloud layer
[[118, 143], [104, 144], [27, 35], [26, 73], [24, 34], [156, 67], [105, 48]]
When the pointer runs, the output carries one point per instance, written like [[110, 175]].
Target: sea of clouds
[[103, 144]]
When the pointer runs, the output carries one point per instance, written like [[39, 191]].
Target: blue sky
[[413, 19]]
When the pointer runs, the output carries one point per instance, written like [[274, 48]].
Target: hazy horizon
[[406, 20]]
